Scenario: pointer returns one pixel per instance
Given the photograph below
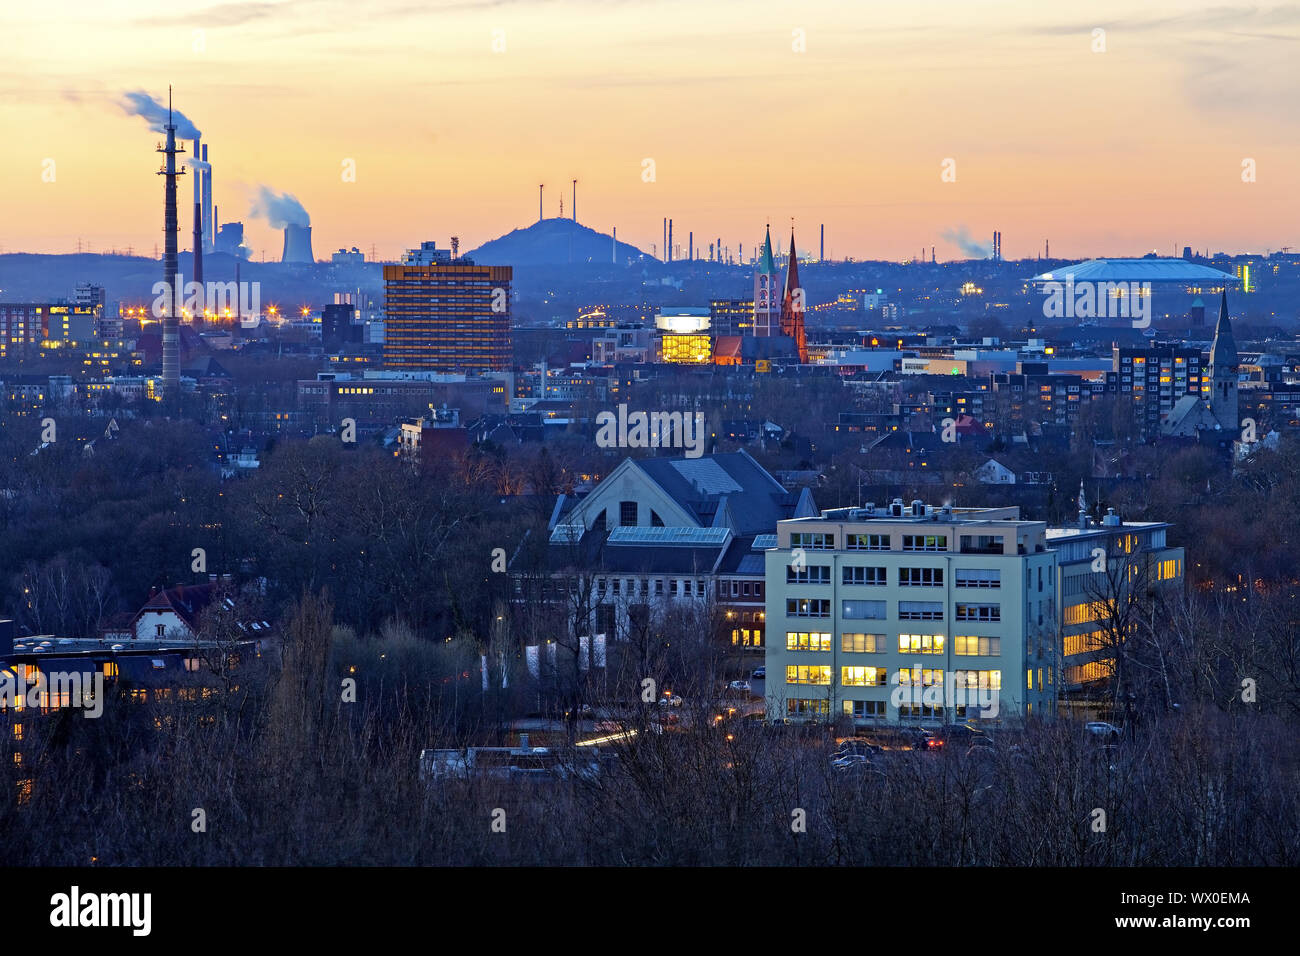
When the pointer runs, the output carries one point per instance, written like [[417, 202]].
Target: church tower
[[767, 305], [792, 305], [1223, 371]]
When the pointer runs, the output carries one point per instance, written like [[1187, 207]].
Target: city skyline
[[807, 115]]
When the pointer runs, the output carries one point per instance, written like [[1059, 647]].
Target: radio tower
[[171, 320]]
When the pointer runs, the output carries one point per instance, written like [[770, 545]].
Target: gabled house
[[657, 531], [173, 614], [993, 472]]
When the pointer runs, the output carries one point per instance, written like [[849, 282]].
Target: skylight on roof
[[690, 537]]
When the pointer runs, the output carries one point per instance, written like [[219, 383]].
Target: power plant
[[297, 244]]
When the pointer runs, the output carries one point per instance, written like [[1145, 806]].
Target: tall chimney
[[198, 171], [821, 249], [575, 201], [690, 245], [171, 318], [198, 243], [540, 215], [613, 247], [209, 224], [670, 240]]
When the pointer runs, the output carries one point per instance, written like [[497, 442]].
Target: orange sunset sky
[[1119, 152]]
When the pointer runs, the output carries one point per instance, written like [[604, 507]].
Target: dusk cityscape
[[509, 434]]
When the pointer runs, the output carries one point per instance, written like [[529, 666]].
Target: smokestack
[[198, 243], [575, 201], [669, 247], [171, 319], [209, 227], [665, 245], [690, 245], [540, 215], [1048, 249], [821, 249], [613, 247], [297, 244], [197, 144]]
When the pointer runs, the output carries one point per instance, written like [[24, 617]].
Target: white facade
[[911, 613]]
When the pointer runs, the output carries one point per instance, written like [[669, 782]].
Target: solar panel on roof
[[706, 475], [670, 536], [566, 534], [763, 542]]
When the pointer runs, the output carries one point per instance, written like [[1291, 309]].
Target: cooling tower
[[297, 244]]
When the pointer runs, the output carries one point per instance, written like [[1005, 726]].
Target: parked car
[[863, 747], [851, 762], [905, 738], [739, 685], [960, 733], [760, 673], [670, 700], [1107, 732]]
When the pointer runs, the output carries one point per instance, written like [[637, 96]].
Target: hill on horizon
[[555, 242]]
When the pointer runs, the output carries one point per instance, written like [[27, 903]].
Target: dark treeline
[[380, 571], [280, 770]]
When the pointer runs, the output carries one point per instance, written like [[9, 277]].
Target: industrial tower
[[170, 318]]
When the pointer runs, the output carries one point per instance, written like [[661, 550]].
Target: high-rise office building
[[446, 314]]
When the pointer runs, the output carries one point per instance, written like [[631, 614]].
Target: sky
[[900, 126]]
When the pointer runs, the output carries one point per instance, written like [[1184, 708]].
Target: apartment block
[[911, 613]]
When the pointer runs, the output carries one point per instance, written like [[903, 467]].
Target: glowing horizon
[[1113, 153]]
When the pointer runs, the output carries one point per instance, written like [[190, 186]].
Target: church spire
[[1223, 353], [766, 264], [792, 305]]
